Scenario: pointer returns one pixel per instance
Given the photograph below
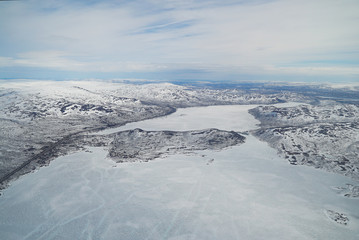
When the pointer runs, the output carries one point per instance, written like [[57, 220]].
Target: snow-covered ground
[[243, 192]]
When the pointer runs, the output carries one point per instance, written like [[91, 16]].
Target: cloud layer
[[211, 38]]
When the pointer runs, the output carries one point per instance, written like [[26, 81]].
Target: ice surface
[[244, 192], [230, 118]]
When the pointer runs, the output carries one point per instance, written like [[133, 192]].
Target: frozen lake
[[243, 192], [229, 117], [233, 117]]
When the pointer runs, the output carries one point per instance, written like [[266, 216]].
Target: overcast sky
[[294, 40]]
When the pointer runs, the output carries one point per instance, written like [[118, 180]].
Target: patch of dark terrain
[[42, 158], [337, 217], [140, 145]]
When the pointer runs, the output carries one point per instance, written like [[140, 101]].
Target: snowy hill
[[135, 145], [324, 136]]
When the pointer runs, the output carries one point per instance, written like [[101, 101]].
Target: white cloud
[[259, 37], [62, 61]]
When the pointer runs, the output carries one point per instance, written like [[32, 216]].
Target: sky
[[227, 40]]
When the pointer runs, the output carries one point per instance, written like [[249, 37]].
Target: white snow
[[247, 192]]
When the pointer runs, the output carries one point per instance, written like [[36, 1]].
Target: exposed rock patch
[[337, 217]]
